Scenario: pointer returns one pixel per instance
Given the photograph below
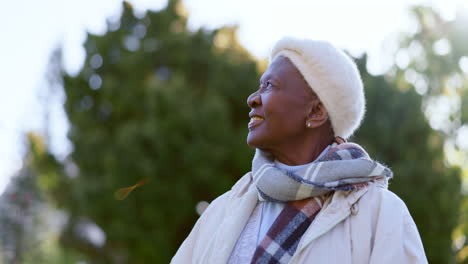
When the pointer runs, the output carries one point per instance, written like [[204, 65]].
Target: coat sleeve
[[412, 244], [187, 252], [396, 237]]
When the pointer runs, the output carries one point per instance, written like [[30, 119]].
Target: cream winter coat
[[370, 225]]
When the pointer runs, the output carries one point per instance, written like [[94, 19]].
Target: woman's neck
[[302, 152]]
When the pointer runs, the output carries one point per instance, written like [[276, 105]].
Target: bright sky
[[31, 29]]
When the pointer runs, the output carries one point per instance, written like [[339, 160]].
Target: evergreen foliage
[[157, 102]]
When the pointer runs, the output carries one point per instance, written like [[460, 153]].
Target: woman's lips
[[254, 121]]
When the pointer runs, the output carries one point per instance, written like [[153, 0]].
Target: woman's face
[[280, 107]]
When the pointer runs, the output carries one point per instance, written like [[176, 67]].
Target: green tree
[[155, 102], [19, 226], [433, 61], [28, 223]]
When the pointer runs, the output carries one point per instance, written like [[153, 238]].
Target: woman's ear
[[317, 116]]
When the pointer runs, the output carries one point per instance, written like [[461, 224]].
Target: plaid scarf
[[284, 235], [344, 167]]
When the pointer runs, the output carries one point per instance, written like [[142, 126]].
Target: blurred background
[[150, 96]]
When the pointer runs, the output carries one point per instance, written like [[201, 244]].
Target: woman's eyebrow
[[266, 77]]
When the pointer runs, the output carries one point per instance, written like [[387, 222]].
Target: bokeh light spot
[[132, 43], [96, 61], [95, 81], [442, 47]]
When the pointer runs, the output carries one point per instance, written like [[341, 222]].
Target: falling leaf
[[122, 193]]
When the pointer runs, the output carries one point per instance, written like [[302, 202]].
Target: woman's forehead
[[281, 68]]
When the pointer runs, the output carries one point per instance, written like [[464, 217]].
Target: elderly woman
[[311, 197]]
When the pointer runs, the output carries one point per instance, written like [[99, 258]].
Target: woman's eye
[[266, 85]]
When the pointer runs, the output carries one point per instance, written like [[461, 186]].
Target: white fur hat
[[332, 75]]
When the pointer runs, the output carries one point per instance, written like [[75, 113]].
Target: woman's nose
[[254, 100]]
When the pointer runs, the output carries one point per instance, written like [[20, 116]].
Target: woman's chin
[[254, 141], [251, 140]]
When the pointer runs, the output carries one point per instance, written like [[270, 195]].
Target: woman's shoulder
[[243, 184], [392, 231], [384, 205], [239, 188], [379, 195]]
